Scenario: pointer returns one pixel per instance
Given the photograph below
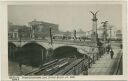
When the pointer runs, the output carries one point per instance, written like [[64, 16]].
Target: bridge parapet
[[47, 43]]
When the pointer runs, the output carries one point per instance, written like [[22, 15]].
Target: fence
[[118, 69]]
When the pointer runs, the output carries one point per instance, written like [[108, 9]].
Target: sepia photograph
[[65, 39]]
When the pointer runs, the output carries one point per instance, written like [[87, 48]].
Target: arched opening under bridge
[[67, 52], [32, 54], [12, 51]]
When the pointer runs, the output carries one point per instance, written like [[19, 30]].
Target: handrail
[[118, 64]]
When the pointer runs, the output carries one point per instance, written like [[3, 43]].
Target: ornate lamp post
[[33, 26], [51, 40], [104, 31]]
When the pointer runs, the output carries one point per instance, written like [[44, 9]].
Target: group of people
[[105, 48]]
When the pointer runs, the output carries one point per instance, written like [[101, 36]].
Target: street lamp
[[75, 34], [33, 31], [51, 40], [34, 24], [20, 35], [104, 30]]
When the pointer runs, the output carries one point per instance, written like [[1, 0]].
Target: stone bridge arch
[[14, 43], [43, 44], [22, 43], [32, 54], [12, 51], [67, 51]]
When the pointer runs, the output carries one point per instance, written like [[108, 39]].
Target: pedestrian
[[108, 49], [121, 46], [111, 53]]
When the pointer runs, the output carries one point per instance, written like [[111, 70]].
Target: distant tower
[[94, 35]]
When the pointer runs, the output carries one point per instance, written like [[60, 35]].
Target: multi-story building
[[24, 32], [118, 34], [18, 31], [41, 29], [36, 29], [81, 33]]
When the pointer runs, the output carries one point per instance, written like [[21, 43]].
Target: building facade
[[41, 29], [119, 34], [16, 32]]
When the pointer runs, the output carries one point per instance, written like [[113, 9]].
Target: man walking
[[111, 53]]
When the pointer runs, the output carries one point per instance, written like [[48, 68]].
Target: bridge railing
[[80, 66], [118, 69]]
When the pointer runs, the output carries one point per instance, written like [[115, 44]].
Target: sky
[[68, 17]]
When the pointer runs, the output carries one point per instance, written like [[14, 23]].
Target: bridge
[[82, 47], [43, 50], [57, 43]]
